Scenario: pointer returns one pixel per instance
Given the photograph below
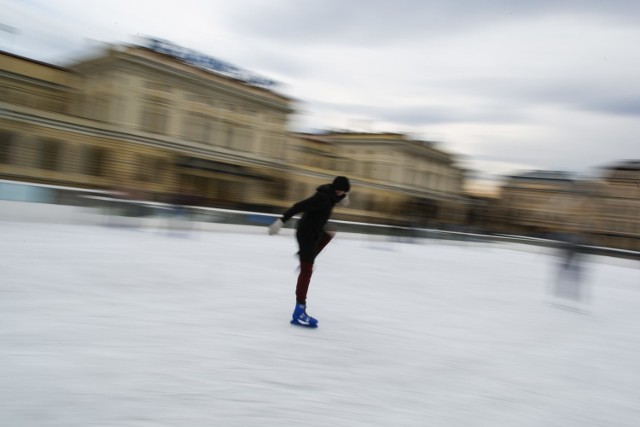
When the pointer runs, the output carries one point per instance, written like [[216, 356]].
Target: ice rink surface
[[104, 326]]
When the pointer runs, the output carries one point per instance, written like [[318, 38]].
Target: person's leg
[[307, 242], [304, 278], [325, 238], [300, 316]]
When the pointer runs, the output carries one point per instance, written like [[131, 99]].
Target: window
[[95, 161], [382, 172], [151, 168], [229, 135], [273, 146], [197, 128], [6, 145], [161, 167], [244, 139], [101, 108], [215, 130], [50, 154], [154, 117], [142, 173]]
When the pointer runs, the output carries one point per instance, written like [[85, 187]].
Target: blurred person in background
[[568, 282], [571, 240], [312, 237]]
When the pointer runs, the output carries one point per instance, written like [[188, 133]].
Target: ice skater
[[312, 237], [570, 290], [570, 269]]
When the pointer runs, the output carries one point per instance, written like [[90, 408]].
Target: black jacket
[[317, 209]]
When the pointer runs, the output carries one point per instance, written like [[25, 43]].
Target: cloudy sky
[[505, 85]]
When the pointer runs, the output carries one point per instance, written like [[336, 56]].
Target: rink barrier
[[19, 202]]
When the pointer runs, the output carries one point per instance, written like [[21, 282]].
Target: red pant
[[306, 266]]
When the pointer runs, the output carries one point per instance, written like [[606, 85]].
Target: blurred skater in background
[[569, 279]]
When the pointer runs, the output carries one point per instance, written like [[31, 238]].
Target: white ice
[[104, 326]]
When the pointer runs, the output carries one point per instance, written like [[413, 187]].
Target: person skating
[[312, 237]]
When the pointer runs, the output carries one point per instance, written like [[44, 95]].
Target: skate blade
[[302, 325]]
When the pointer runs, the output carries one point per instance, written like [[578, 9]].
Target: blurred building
[[616, 219], [140, 120], [545, 203], [483, 214], [550, 204], [157, 120], [161, 122], [397, 179]]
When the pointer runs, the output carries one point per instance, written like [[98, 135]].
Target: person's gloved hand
[[344, 202], [275, 227]]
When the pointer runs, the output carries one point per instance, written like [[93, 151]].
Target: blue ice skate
[[301, 318]]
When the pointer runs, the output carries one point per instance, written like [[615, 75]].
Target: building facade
[[399, 180], [141, 121], [152, 125], [601, 212], [616, 217], [541, 203]]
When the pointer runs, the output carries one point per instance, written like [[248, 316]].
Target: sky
[[138, 327], [506, 86]]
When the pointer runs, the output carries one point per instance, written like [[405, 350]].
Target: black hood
[[341, 183], [328, 189]]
